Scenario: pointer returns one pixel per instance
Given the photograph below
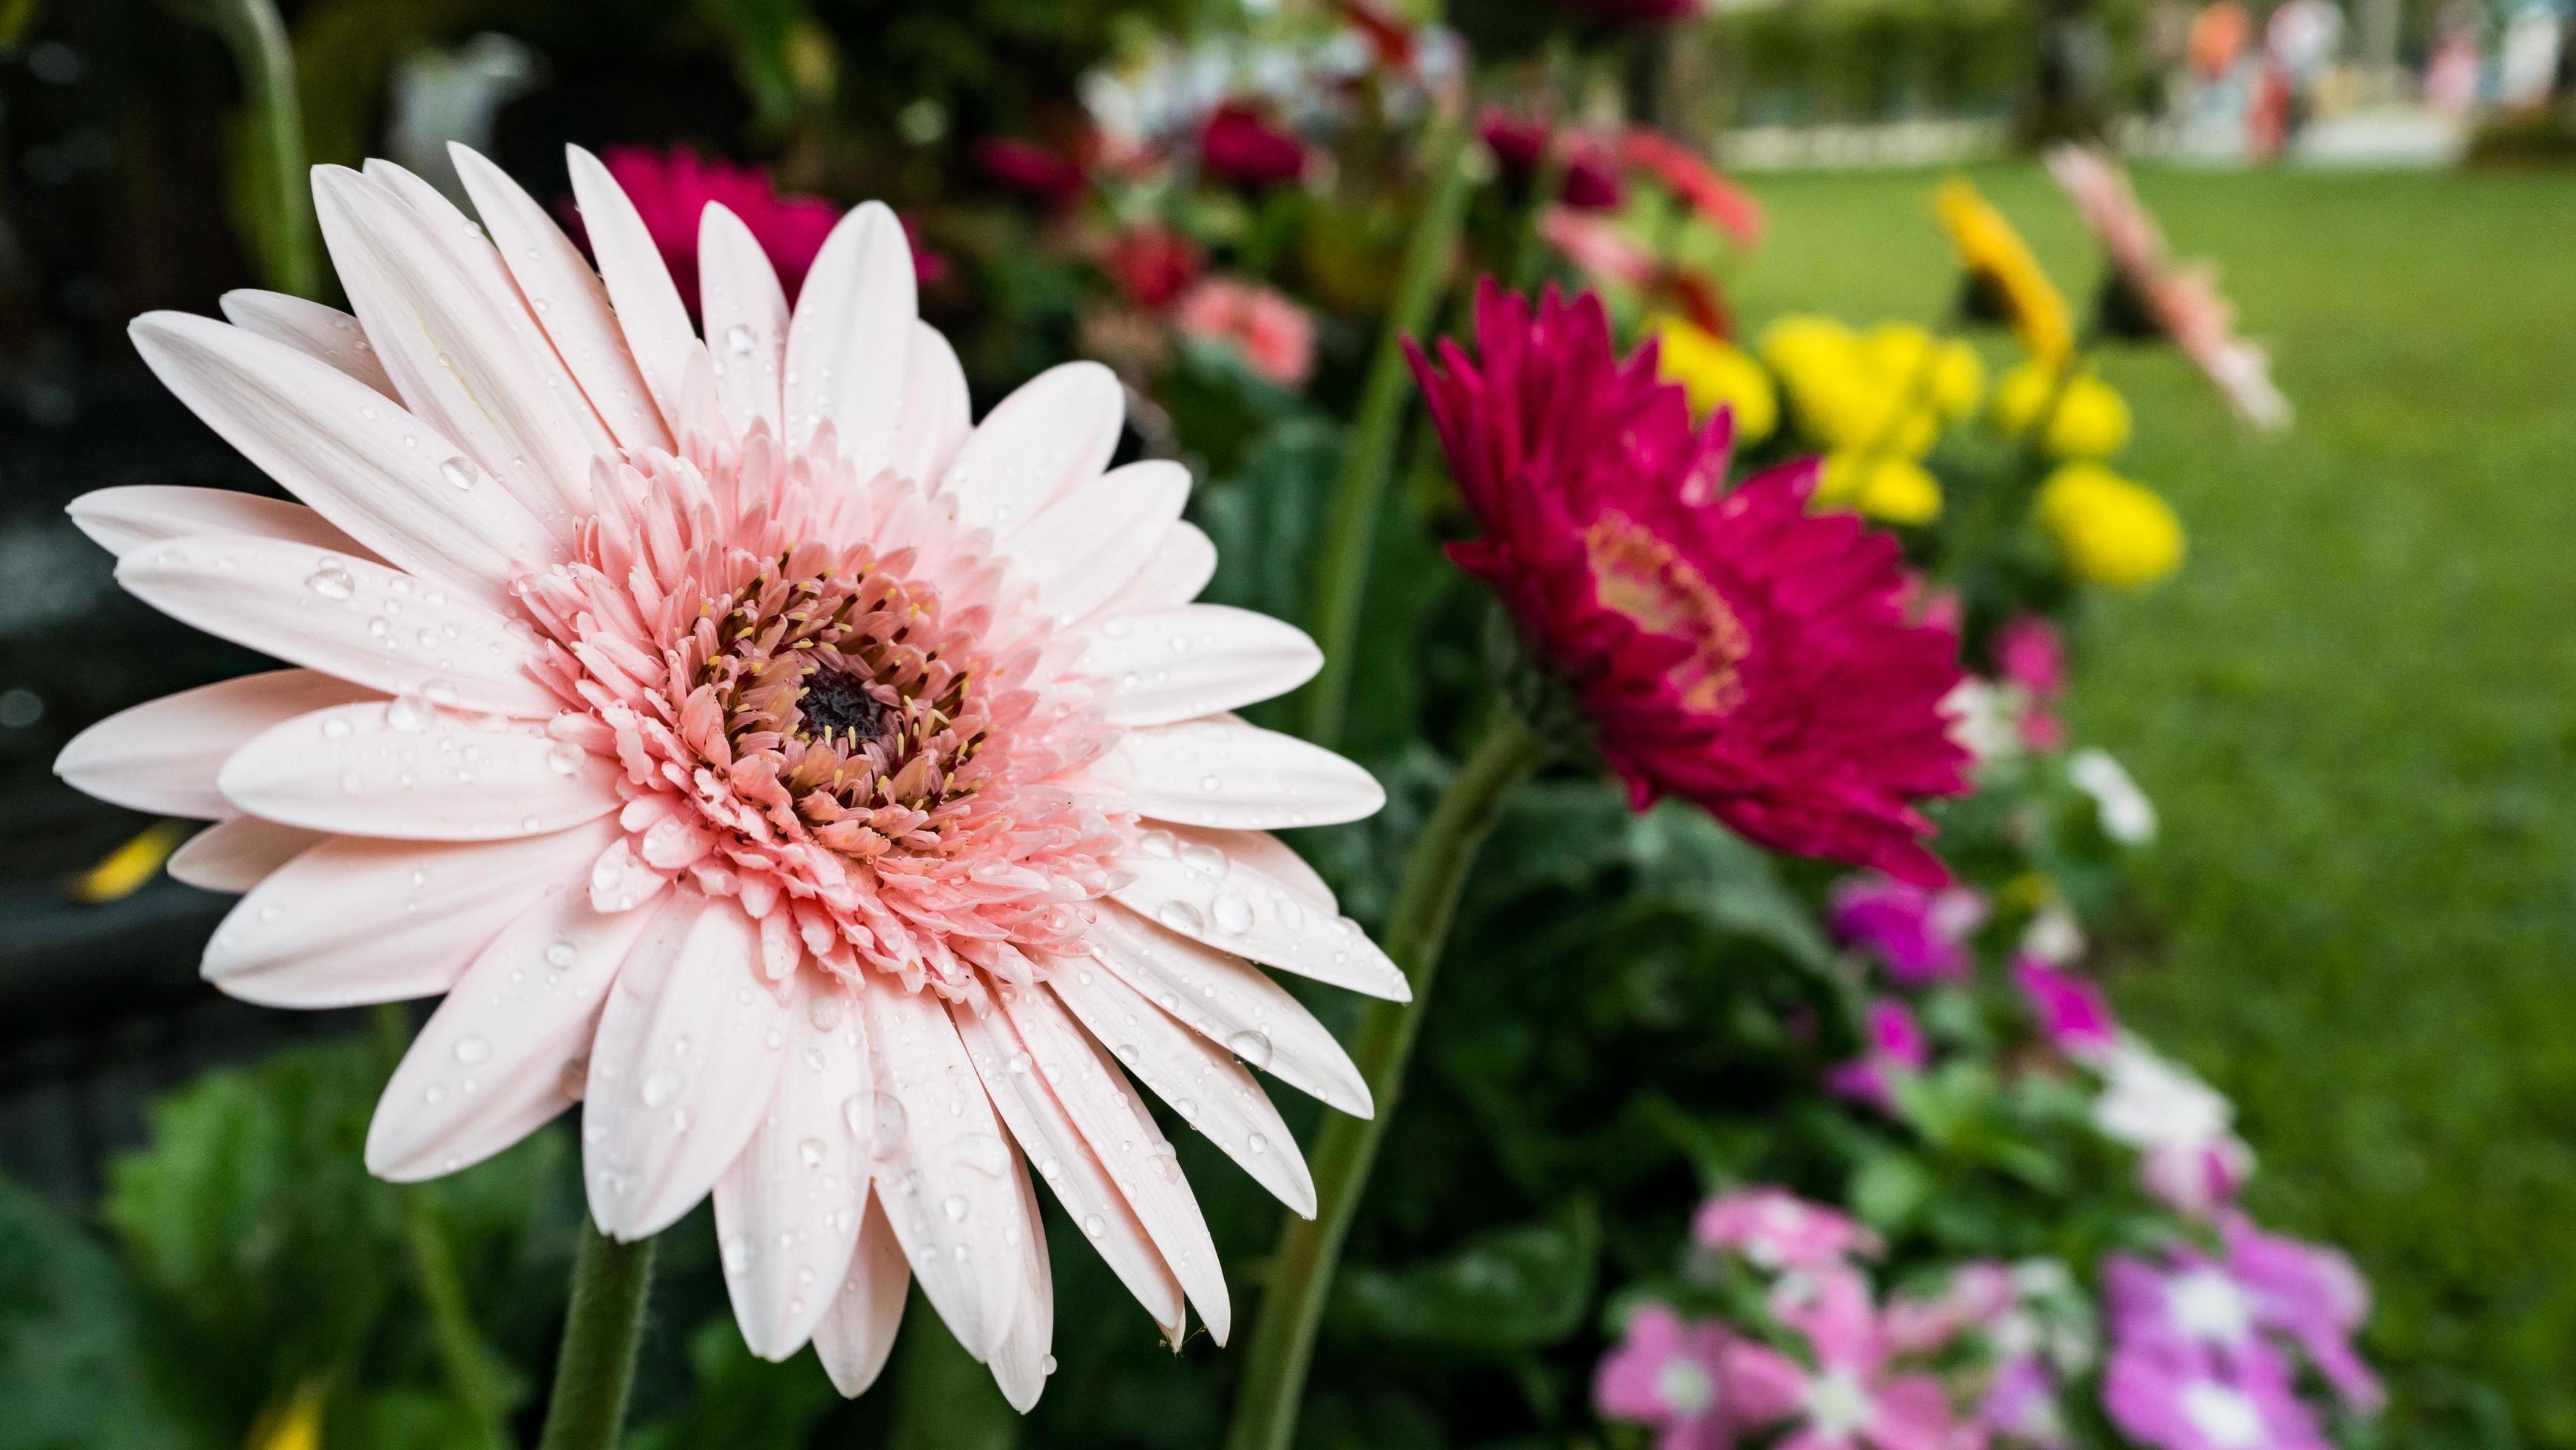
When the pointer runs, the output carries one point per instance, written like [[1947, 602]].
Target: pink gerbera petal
[[1727, 645]]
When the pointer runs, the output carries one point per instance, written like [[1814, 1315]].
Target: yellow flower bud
[[2107, 529], [1892, 490], [2086, 417], [1715, 372]]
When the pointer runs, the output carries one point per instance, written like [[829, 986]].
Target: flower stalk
[[1359, 491], [278, 199], [596, 1368], [1301, 1268]]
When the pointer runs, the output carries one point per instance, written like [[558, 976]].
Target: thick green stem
[[597, 1366], [1301, 1270], [1359, 492]]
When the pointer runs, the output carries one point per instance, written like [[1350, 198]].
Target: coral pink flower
[[1897, 1049], [806, 780], [1261, 325], [1239, 146], [1667, 1373], [1153, 264], [2071, 1012], [1920, 935], [2182, 303], [1599, 248], [1777, 1231], [1854, 1395], [1726, 644], [1718, 201], [672, 189]]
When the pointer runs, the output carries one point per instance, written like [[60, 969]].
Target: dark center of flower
[[843, 701], [1640, 576], [837, 705]]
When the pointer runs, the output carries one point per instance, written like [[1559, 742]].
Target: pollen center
[[836, 705], [1641, 577]]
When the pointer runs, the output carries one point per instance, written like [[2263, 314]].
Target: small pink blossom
[[2183, 1129], [2071, 1011], [1036, 171], [1668, 1373], [1918, 933], [2020, 1405], [1897, 1049], [1853, 1396], [1979, 1293], [2309, 1293], [1238, 145], [1264, 327], [672, 189], [1777, 1231], [2029, 653]]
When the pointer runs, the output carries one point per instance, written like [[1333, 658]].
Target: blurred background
[[2354, 709]]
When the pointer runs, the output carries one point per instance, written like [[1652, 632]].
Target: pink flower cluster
[[1840, 1371], [1918, 933], [2205, 1350]]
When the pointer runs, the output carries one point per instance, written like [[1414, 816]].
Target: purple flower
[[2070, 1010], [1896, 1049], [2020, 1404], [2310, 1293], [1918, 933], [2183, 1401]]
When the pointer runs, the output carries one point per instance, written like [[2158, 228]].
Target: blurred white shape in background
[[455, 95]]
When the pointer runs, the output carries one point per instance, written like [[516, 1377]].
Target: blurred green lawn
[[2356, 708]]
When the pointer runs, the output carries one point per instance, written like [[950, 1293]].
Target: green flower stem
[[1359, 492], [1301, 1269], [287, 240], [597, 1366], [469, 1366]]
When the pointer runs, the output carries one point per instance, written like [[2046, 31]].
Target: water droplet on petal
[[659, 1087], [1233, 913], [331, 582], [564, 757], [1205, 859], [1252, 1047], [1094, 1225], [954, 1205], [810, 1152], [471, 1050], [1181, 917], [890, 1134], [738, 340], [1256, 1144], [458, 472], [336, 728]]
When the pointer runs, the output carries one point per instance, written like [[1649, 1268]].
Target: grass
[[2356, 709]]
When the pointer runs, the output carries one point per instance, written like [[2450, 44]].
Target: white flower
[[2127, 816]]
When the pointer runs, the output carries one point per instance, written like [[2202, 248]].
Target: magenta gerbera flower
[[1726, 645], [837, 796]]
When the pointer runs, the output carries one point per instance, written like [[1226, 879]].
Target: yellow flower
[[127, 869], [2086, 419], [1846, 393], [1942, 372], [292, 1424], [2109, 530], [1893, 490], [2004, 274], [1716, 372]]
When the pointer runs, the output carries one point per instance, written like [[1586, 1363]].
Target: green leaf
[[1888, 1189], [74, 1368], [252, 1216], [1507, 1289]]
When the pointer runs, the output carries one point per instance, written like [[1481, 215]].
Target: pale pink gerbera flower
[[2176, 301], [826, 792]]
